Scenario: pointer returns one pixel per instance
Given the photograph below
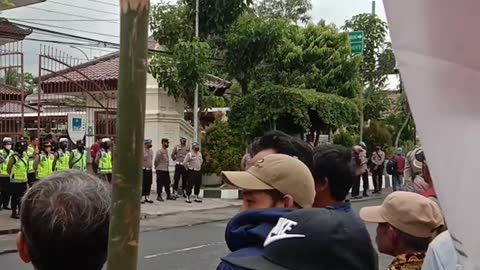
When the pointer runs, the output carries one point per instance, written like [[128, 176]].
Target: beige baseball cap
[[409, 212], [277, 172]]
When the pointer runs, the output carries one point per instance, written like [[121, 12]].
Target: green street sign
[[356, 42], [90, 131]]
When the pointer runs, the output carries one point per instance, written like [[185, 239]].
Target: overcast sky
[[60, 13]]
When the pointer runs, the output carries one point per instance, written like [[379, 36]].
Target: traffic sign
[[356, 42]]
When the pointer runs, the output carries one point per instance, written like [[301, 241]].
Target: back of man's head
[[282, 143], [332, 169], [64, 222]]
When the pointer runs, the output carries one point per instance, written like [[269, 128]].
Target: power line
[[68, 28], [85, 8], [68, 14], [66, 20], [105, 3]]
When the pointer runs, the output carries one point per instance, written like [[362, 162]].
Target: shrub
[[222, 149], [344, 138]]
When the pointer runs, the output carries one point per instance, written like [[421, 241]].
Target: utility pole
[[195, 99], [362, 97], [127, 168]]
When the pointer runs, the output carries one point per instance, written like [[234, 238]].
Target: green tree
[[179, 74], [290, 110], [6, 4], [293, 10], [222, 149], [14, 78], [250, 41], [316, 57], [217, 16], [171, 24]]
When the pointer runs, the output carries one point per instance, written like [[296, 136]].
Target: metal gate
[[12, 92], [70, 86]]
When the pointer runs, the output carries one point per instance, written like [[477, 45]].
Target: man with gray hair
[[64, 222]]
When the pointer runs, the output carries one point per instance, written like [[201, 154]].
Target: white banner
[[437, 45], [76, 126]]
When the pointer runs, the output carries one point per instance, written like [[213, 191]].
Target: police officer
[[193, 163], [62, 157], [43, 163], [18, 171], [78, 158], [104, 160], [147, 171], [162, 163], [32, 151], [178, 155], [5, 154]]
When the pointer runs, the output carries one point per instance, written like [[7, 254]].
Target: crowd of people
[[295, 214], [188, 165], [23, 164]]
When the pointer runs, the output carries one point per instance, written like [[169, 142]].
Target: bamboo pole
[[124, 225]]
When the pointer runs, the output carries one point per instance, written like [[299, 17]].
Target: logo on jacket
[[280, 231]]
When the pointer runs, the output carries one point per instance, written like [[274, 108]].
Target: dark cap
[[164, 140], [316, 239]]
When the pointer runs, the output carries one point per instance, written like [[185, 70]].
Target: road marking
[[182, 250]]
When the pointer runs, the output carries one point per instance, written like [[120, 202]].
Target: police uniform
[[61, 162], [104, 161], [5, 155], [147, 171], [193, 163], [44, 166], [78, 158], [178, 155], [18, 170], [31, 171]]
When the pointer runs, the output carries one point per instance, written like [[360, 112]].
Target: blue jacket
[[246, 232]]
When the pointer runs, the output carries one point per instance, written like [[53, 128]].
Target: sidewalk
[[10, 226]]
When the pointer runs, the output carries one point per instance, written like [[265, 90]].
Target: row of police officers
[[26, 164]]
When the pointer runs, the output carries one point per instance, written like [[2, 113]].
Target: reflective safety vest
[[105, 162], [5, 158], [31, 155], [45, 164], [19, 169], [62, 161], [79, 160]]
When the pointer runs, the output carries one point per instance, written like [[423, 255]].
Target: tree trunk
[[244, 86], [126, 182], [402, 128]]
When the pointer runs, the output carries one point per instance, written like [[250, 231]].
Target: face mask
[[149, 146], [8, 147], [196, 149], [165, 145]]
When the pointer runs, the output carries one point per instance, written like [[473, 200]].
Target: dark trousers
[[32, 178], [147, 182], [5, 191], [377, 179], [17, 190], [163, 181], [194, 181], [356, 184], [180, 171]]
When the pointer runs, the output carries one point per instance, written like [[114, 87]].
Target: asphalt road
[[197, 247]]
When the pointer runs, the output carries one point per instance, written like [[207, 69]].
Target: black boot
[[14, 214], [159, 198], [170, 197], [188, 199]]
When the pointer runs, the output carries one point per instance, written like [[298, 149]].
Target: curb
[[151, 216], [9, 231], [8, 251]]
